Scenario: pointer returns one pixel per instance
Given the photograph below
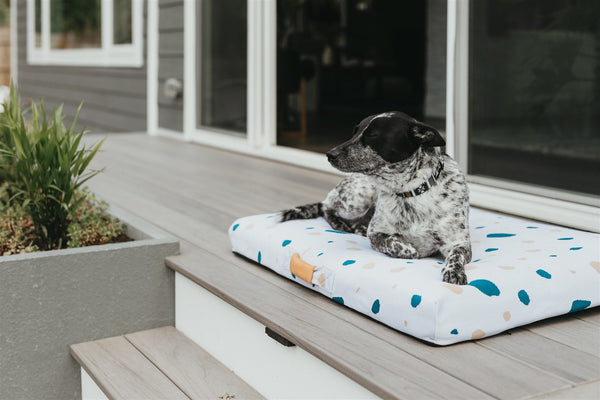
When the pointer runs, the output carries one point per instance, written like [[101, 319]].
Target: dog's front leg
[[394, 245], [454, 267]]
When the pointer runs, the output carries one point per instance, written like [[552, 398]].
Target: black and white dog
[[407, 197]]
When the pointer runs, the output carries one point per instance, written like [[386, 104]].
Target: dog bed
[[522, 271]]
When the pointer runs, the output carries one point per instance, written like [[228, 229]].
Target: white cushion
[[522, 271]]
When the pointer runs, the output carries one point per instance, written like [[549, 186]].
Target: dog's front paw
[[456, 276], [393, 245]]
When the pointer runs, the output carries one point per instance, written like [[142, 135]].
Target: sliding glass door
[[534, 93], [291, 78], [222, 66], [339, 61]]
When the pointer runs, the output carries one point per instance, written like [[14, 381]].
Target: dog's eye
[[370, 133]]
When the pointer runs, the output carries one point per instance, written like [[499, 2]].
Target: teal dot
[[333, 231], [454, 332], [338, 299], [348, 262], [543, 274], [330, 241], [500, 235], [319, 255], [415, 300], [486, 287], [285, 243], [532, 227], [553, 255], [491, 249], [235, 227], [310, 227], [480, 227], [294, 275], [477, 260], [579, 305], [576, 248], [375, 307], [565, 238], [524, 297], [259, 257]]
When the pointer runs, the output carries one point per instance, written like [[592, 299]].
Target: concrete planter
[[50, 300]]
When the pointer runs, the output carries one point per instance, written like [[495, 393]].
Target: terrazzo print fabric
[[521, 272]]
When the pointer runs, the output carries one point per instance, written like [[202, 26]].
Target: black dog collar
[[425, 186]]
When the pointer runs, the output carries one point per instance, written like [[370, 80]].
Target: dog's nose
[[331, 155]]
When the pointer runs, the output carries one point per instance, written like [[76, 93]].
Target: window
[[222, 65], [534, 93], [85, 32]]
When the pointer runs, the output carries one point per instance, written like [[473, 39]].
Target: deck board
[[195, 193], [122, 372], [191, 368]]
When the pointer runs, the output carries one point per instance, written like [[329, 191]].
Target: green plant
[[9, 114], [46, 167], [16, 231], [92, 226]]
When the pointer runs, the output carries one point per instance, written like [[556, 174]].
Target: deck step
[[158, 363]]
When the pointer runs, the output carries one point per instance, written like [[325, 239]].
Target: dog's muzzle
[[332, 155]]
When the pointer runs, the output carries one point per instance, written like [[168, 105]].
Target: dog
[[403, 193]]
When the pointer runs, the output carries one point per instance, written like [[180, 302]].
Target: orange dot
[[478, 334]]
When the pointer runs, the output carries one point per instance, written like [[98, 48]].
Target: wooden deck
[[195, 193]]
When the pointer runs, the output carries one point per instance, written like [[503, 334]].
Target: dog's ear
[[426, 135]]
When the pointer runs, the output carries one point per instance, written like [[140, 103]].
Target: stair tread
[[158, 363], [189, 366], [122, 372]]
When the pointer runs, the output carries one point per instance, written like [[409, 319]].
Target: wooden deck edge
[[386, 387], [174, 263]]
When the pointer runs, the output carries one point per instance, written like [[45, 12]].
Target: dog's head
[[383, 139]]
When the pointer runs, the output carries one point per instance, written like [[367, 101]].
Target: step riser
[[240, 342], [89, 389]]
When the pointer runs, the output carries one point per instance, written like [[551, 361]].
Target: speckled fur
[[366, 201]]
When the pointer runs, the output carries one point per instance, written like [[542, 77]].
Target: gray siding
[[114, 98], [170, 61]]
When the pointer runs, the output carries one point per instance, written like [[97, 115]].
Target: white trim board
[[152, 68]]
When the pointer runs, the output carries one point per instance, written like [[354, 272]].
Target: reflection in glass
[[222, 65], [75, 24], [122, 22], [341, 60], [535, 92]]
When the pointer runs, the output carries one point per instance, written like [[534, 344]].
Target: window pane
[[535, 92], [122, 22], [223, 64], [340, 61], [38, 23], [75, 24]]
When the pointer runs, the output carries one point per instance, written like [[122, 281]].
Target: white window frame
[[107, 55], [578, 211]]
